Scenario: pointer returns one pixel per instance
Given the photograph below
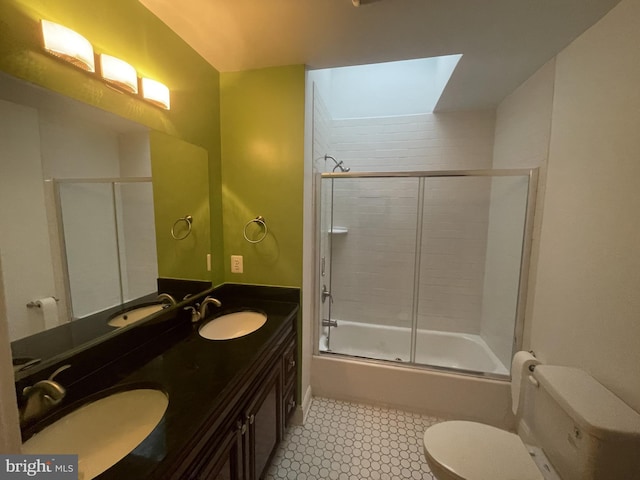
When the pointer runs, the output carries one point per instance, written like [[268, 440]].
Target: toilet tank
[[586, 431]]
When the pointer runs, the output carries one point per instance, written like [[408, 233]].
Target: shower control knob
[[326, 293]]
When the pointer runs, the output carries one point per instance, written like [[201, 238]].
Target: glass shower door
[[370, 240], [324, 281], [470, 266]]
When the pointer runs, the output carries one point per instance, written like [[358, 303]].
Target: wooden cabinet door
[[226, 464], [263, 417]]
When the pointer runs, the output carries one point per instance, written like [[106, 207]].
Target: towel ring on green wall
[[259, 220], [188, 219]]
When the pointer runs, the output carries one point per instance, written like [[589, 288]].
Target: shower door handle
[[326, 293]]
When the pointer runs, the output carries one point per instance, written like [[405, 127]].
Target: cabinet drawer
[[289, 403], [290, 361]]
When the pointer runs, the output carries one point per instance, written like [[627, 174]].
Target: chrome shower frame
[[532, 188]]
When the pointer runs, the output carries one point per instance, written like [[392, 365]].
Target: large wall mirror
[[80, 229]]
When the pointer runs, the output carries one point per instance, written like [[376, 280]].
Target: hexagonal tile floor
[[349, 441]]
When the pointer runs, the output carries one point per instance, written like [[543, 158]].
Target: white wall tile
[[374, 263]]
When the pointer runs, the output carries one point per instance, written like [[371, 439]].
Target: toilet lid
[[474, 451]]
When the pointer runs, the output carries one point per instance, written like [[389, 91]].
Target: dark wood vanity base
[[229, 400]]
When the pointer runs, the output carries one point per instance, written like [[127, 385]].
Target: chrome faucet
[[206, 302], [41, 397], [165, 296]]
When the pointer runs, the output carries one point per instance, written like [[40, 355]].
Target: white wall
[[75, 148], [587, 307], [523, 126], [24, 236], [10, 440]]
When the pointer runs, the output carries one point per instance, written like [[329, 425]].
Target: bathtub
[[450, 390], [460, 351]]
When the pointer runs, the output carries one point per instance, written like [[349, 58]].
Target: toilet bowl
[[570, 427], [459, 450]]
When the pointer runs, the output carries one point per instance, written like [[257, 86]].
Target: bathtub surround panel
[[433, 393]]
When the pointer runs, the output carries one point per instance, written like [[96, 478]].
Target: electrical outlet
[[236, 264]]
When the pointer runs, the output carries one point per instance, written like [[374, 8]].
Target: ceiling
[[503, 42]]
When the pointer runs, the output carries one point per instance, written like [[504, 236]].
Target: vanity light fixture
[[68, 45], [156, 93], [118, 73], [75, 49]]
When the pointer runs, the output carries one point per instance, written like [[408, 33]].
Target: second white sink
[[135, 315], [232, 325]]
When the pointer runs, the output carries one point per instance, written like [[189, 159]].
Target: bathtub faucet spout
[[329, 323]]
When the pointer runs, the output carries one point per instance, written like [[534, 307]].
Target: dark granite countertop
[[197, 374]]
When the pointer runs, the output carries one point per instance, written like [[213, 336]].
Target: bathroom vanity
[[229, 401]]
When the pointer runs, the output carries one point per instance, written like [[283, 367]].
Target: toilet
[[570, 427]]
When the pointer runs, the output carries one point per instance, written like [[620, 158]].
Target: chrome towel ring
[[188, 219], [259, 220]]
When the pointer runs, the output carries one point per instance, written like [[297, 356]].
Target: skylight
[[387, 89]]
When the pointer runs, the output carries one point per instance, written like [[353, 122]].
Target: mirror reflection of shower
[[339, 164]]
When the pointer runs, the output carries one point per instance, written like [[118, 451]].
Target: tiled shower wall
[[373, 264]]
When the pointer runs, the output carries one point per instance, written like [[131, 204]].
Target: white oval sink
[[134, 315], [103, 432], [232, 325]]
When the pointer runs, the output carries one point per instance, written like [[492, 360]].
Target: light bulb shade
[[156, 93], [68, 45], [119, 73]]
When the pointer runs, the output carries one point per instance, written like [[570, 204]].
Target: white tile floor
[[348, 441]]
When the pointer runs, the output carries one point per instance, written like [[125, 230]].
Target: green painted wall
[[178, 192], [124, 28], [262, 134]]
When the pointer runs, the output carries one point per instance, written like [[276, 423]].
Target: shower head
[[339, 164]]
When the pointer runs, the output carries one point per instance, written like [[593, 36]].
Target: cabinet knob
[[244, 428], [251, 419], [292, 363], [292, 403]]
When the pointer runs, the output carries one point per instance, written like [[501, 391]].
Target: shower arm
[[338, 164]]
